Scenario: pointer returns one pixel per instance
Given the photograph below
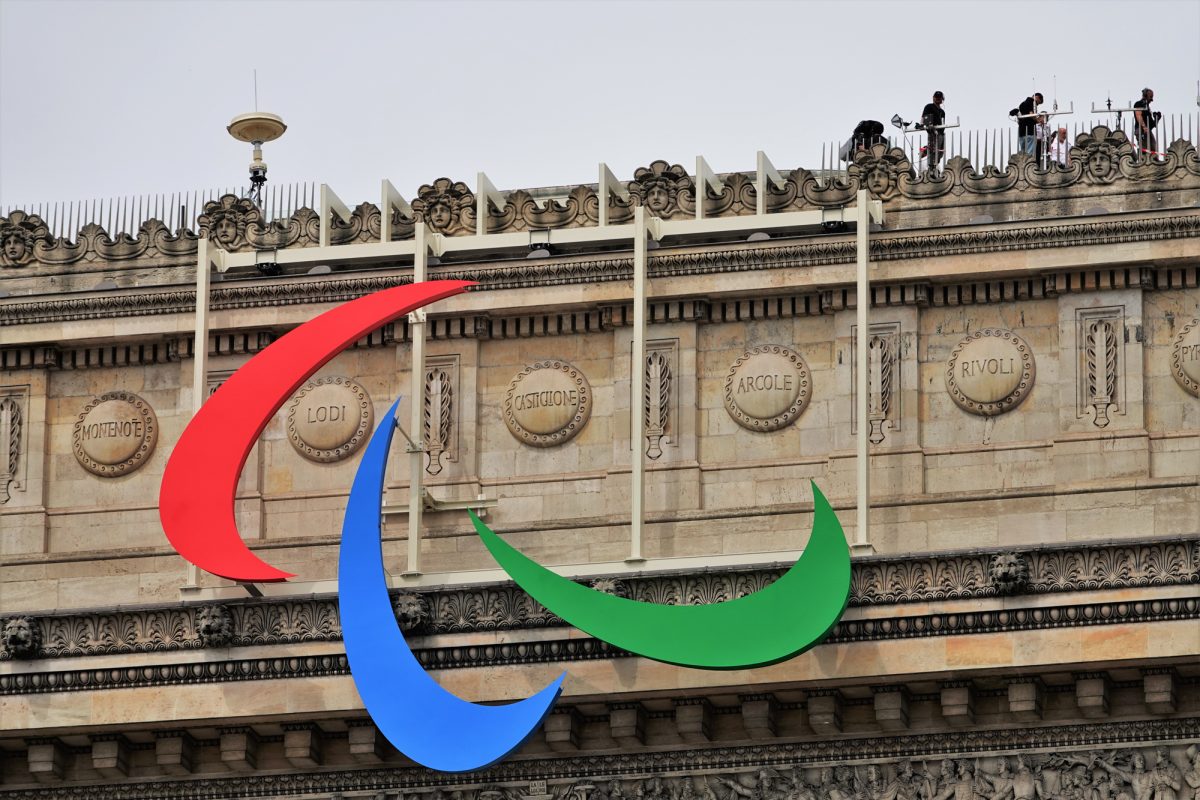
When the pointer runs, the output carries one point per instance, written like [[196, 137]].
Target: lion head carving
[[412, 611], [1008, 572], [214, 624], [22, 637]]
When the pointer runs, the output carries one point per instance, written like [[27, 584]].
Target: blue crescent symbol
[[421, 719]]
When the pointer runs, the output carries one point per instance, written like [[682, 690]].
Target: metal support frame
[[765, 172], [416, 395], [331, 202], [209, 255], [486, 193], [643, 225], [390, 200], [609, 186], [705, 179], [865, 211]]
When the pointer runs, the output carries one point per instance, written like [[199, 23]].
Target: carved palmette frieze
[[439, 416], [660, 395], [883, 380], [1100, 347], [874, 581], [14, 402]]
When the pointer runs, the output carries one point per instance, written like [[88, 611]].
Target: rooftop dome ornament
[[257, 127]]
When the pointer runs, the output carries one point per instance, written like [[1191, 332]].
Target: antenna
[[256, 128]]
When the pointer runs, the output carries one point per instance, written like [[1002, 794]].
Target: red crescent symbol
[[196, 498]]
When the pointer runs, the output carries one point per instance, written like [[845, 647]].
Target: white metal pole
[[862, 539], [416, 467], [637, 386], [200, 351]]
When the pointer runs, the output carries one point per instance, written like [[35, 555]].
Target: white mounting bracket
[[766, 172], [486, 193], [609, 186], [331, 202], [390, 200], [705, 179]]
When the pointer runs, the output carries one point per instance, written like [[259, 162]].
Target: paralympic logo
[[427, 723]]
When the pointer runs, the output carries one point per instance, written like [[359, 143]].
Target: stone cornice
[[503, 654], [1053, 744], [563, 271], [876, 581]]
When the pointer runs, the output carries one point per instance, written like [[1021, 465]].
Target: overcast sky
[[109, 98]]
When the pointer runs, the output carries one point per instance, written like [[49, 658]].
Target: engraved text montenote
[[329, 419], [767, 388], [547, 403], [1185, 357], [990, 372], [115, 434]]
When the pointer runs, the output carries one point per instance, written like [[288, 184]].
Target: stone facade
[[1028, 627]]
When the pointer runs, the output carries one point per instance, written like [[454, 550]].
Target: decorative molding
[[876, 581], [440, 416], [1100, 363], [883, 379], [661, 395], [869, 767], [1101, 158], [14, 433], [540, 273], [509, 653]]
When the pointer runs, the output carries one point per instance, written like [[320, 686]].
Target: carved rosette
[[1185, 357], [767, 388], [115, 434], [547, 403], [990, 372], [329, 419]]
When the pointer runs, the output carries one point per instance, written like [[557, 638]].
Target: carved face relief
[[657, 197], [879, 181], [412, 611], [440, 216], [15, 247], [226, 230]]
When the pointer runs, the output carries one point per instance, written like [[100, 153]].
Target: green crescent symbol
[[775, 623]]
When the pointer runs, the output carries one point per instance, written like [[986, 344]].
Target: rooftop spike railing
[[176, 210], [983, 148]]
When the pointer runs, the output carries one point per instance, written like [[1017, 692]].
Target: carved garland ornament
[[990, 372], [330, 419], [115, 434], [767, 388], [547, 403], [1185, 357]]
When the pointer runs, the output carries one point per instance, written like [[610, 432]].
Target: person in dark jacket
[[932, 118], [1026, 115], [1145, 121]]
